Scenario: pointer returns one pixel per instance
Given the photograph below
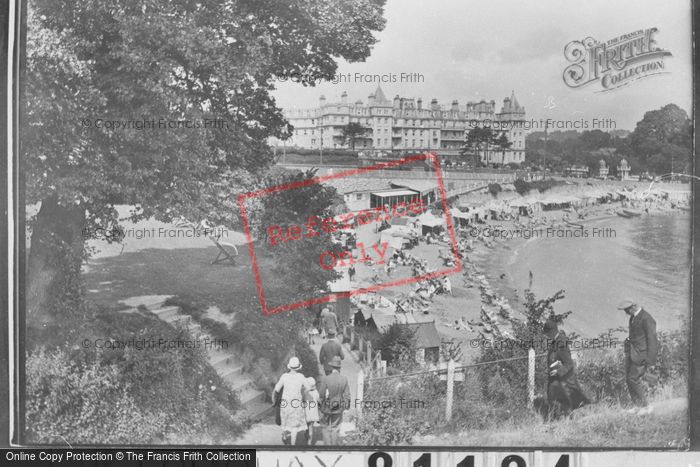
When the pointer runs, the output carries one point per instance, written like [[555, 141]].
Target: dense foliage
[[493, 396], [523, 188], [83, 394], [118, 98], [660, 143], [494, 189]]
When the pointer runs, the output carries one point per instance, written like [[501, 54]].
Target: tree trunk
[[53, 267]]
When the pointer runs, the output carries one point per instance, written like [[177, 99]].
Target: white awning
[[389, 193]]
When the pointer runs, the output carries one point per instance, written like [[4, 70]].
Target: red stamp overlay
[[375, 253]]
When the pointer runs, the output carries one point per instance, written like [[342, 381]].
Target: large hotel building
[[404, 125]]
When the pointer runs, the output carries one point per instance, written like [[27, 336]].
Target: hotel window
[[358, 196]]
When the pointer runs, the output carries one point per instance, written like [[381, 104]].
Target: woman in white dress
[[294, 393]]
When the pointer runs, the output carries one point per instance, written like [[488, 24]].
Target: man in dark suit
[[641, 349], [334, 393], [563, 391], [330, 349]]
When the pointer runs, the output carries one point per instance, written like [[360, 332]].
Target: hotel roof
[[355, 185]]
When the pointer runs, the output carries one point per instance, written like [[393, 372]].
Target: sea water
[[646, 259]]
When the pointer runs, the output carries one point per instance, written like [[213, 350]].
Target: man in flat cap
[[563, 391], [641, 348], [334, 391]]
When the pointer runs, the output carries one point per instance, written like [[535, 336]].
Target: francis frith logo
[[616, 62]]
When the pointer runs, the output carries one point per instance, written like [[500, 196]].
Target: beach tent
[[554, 202], [462, 219], [430, 223], [520, 206]]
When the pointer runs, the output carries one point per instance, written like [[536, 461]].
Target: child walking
[[312, 416]]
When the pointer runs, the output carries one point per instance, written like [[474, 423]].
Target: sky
[[471, 50]]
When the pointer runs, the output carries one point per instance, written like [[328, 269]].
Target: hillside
[[598, 425]]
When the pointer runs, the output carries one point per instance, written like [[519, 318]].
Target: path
[[270, 434]]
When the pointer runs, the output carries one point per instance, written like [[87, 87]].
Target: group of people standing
[[641, 349], [304, 407]]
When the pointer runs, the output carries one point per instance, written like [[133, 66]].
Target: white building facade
[[404, 125]]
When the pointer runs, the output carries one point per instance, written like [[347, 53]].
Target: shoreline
[[492, 263], [495, 262]]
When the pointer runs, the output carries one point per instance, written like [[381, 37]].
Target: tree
[[478, 138], [397, 344], [511, 382], [117, 99], [352, 132], [305, 207], [503, 143], [663, 139]]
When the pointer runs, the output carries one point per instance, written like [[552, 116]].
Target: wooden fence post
[[368, 357], [360, 392], [530, 377], [450, 389]]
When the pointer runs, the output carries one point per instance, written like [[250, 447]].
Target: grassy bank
[[599, 425]]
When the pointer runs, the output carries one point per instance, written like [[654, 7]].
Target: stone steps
[[231, 370], [248, 395], [222, 360]]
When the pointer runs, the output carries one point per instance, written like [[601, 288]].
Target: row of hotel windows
[[516, 134], [516, 144], [378, 142], [356, 110], [462, 123]]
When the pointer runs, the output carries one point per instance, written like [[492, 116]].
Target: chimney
[[322, 100], [370, 99], [344, 98], [420, 103], [455, 106], [434, 104], [397, 102]]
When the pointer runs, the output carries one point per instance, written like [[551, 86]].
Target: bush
[[82, 403], [523, 187], [397, 345], [494, 189], [601, 372], [273, 337], [396, 410], [126, 395]]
